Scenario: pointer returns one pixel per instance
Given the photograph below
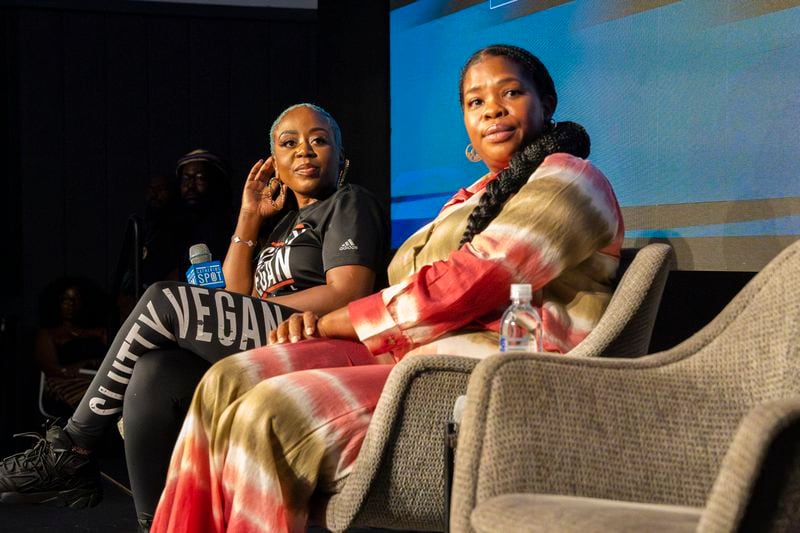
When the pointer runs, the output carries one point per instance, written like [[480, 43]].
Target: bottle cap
[[520, 291]]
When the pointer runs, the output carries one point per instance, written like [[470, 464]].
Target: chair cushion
[[543, 512]]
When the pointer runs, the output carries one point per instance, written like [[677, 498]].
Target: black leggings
[[153, 415], [209, 323], [170, 318]]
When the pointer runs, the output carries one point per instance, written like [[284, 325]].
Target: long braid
[[565, 137]]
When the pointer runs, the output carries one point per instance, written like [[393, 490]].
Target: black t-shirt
[[348, 228]]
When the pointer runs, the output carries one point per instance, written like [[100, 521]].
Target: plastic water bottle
[[521, 327]]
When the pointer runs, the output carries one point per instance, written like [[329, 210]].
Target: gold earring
[[343, 174], [472, 154], [281, 194]]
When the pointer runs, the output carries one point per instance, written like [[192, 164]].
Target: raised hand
[[263, 194]]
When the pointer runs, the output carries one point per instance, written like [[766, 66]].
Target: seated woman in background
[[302, 266], [262, 434], [71, 339]]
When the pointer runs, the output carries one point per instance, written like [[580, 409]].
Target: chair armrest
[[622, 429], [627, 323], [758, 487], [399, 476]]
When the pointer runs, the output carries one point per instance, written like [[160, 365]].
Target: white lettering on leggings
[[133, 335], [202, 312], [225, 317], [125, 350], [154, 322], [181, 311], [95, 404], [271, 322], [116, 377], [122, 368], [123, 354], [249, 325], [109, 393]]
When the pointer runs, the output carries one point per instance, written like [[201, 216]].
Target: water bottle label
[[517, 344]]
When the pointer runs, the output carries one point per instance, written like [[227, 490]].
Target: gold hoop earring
[[472, 154], [343, 174], [281, 193]]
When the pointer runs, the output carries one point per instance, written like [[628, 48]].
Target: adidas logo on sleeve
[[348, 245]]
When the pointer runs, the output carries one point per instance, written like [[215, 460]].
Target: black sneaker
[[50, 473]]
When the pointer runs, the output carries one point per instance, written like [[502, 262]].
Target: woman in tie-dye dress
[[269, 427]]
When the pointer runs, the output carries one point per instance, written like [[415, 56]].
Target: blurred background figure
[[190, 207], [160, 229], [202, 213], [205, 213], [72, 336]]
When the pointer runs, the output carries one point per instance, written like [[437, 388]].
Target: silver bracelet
[[238, 239]]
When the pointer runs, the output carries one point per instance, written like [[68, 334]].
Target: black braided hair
[[564, 137]]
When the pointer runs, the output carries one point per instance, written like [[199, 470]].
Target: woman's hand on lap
[[297, 327], [308, 325]]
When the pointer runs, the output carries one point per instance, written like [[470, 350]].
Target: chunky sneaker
[[50, 473]]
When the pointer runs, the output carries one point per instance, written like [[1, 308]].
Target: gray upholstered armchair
[[705, 436], [398, 480]]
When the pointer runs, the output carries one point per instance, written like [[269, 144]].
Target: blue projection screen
[[693, 108]]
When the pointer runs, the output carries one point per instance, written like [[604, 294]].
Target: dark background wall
[[100, 100], [99, 96]]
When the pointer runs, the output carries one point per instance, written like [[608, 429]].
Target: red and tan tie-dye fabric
[[562, 233], [266, 428], [265, 431]]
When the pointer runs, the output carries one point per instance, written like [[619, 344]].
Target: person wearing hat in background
[[189, 207], [202, 214], [205, 193]]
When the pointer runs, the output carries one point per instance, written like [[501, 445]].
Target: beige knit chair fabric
[[652, 430], [627, 325], [398, 480]]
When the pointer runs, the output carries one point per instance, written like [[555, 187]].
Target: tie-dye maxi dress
[[269, 427]]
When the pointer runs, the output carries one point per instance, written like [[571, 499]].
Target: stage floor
[[115, 513]]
